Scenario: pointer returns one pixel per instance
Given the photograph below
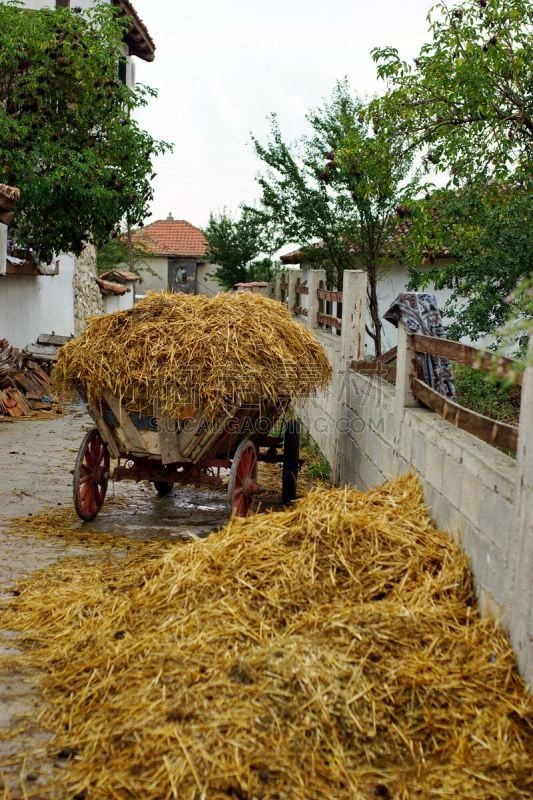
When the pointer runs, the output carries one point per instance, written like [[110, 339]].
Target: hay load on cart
[[181, 387]]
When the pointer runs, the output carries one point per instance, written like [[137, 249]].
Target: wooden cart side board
[[168, 440], [106, 431], [204, 443], [126, 432], [187, 438]]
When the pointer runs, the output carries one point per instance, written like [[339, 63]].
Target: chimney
[[170, 217]]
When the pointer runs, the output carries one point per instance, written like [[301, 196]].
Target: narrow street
[[36, 459]]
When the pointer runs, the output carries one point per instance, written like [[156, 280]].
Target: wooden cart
[[190, 451]]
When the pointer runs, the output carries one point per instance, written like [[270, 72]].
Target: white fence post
[[405, 367], [519, 621], [3, 248], [314, 276], [291, 291], [277, 286], [353, 315]]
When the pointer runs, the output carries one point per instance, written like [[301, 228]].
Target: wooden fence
[[499, 434], [496, 433], [324, 311], [300, 290], [325, 317]]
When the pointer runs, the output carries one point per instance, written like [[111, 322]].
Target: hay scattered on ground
[[190, 352], [63, 523], [328, 651]]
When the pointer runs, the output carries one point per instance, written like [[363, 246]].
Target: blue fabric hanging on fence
[[419, 313]]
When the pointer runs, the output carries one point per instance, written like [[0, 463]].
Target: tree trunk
[[373, 308]]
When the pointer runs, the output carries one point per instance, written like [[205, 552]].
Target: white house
[[58, 298], [393, 279], [117, 287], [175, 258]]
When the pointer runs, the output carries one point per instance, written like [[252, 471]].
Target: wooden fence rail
[[496, 433], [331, 296], [465, 354], [380, 367], [329, 321]]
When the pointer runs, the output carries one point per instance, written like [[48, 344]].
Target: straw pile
[[190, 352], [327, 651]]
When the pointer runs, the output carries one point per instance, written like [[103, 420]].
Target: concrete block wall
[[469, 486], [371, 431]]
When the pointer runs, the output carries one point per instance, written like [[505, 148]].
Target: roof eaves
[[110, 288], [138, 39], [9, 197]]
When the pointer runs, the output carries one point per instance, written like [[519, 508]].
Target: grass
[[317, 466], [486, 395]]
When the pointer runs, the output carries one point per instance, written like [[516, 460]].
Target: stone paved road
[[36, 459]]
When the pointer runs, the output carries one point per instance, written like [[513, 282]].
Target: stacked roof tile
[[172, 237]]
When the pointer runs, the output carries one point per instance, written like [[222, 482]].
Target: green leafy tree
[[339, 190], [466, 100], [238, 247], [118, 252], [487, 231], [466, 105], [67, 136]]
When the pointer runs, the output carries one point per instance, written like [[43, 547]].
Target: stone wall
[[371, 431], [88, 301]]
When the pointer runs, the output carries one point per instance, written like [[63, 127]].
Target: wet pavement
[[36, 462]]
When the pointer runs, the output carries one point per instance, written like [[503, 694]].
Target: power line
[[183, 21]]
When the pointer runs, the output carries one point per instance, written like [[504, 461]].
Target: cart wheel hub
[[98, 474], [249, 487]]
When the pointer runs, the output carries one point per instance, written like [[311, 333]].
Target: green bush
[[316, 464], [487, 395]]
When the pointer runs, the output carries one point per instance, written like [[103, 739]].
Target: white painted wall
[[117, 302], [30, 305], [158, 282], [36, 5], [481, 496], [392, 281], [206, 284], [154, 274]]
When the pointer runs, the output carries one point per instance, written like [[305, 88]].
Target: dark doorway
[[181, 275]]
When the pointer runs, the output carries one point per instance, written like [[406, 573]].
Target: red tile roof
[[108, 287], [172, 237], [9, 196], [137, 38], [119, 276]]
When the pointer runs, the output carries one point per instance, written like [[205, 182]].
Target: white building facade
[[60, 299]]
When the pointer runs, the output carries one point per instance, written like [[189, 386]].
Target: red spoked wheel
[[91, 475], [243, 486]]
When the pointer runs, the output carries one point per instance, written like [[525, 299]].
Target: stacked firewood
[[24, 386]]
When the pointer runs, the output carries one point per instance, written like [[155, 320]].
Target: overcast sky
[[222, 66]]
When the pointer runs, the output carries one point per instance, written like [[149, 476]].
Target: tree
[[466, 100], [116, 252], [487, 231], [236, 246], [466, 105], [344, 185], [67, 137]]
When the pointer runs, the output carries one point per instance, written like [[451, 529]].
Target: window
[[62, 3], [122, 70]]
